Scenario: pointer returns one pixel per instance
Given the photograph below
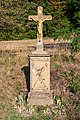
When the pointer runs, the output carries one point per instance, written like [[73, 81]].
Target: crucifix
[[40, 18], [40, 93]]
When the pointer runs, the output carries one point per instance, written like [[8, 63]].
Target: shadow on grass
[[26, 70]]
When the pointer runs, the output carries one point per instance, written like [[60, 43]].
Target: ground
[[64, 77]]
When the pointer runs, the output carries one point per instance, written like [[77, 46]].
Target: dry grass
[[13, 80]]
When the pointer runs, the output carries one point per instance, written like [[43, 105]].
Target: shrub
[[76, 41], [75, 86]]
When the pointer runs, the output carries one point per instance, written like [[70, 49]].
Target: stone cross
[[40, 18], [40, 93]]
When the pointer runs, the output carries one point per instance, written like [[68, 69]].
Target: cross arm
[[49, 17], [32, 17]]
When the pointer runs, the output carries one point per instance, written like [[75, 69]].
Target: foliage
[[60, 105], [76, 41], [39, 117], [75, 86], [14, 22], [73, 12], [8, 89], [75, 83], [13, 116], [10, 12], [61, 25]]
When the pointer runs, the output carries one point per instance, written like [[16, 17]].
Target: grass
[[13, 80], [14, 116]]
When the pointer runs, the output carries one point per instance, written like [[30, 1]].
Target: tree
[[73, 12], [11, 23], [60, 25], [14, 23]]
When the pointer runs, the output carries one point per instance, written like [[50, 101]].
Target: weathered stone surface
[[40, 80], [40, 73], [40, 18], [40, 67], [40, 98]]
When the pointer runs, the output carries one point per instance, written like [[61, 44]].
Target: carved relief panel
[[39, 73]]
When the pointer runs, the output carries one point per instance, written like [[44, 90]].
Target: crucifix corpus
[[40, 18]]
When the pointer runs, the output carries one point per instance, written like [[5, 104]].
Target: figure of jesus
[[40, 18]]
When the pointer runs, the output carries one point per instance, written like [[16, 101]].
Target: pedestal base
[[40, 79], [40, 98]]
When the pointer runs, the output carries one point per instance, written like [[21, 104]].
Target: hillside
[[65, 82]]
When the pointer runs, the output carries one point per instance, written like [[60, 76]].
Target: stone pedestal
[[40, 80]]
